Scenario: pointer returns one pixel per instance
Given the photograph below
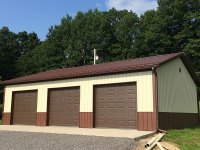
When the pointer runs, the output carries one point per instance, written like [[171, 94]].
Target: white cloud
[[137, 6]]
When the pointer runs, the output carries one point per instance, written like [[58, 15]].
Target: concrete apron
[[106, 132]]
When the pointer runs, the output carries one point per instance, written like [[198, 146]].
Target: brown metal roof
[[137, 64]]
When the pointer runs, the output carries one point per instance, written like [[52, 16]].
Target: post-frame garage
[[144, 93]]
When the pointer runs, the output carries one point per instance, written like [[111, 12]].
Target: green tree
[[27, 42], [117, 31], [173, 27], [148, 37], [71, 43], [9, 53], [117, 35]]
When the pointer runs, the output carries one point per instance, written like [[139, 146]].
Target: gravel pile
[[44, 141]]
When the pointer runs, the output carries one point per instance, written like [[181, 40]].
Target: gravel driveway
[[10, 140]]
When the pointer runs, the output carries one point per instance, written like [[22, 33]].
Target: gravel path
[[44, 141]]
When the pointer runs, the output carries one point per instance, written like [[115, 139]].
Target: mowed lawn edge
[[186, 139]]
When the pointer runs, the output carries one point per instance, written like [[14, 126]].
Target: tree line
[[117, 35]]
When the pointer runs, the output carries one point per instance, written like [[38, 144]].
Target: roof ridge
[[111, 62], [130, 65]]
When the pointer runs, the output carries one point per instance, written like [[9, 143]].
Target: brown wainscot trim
[[86, 120], [6, 118], [146, 121], [41, 119], [170, 120]]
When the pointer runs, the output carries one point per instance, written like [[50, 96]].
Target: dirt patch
[[142, 142], [169, 146]]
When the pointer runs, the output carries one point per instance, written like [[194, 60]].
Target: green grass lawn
[[0, 122], [186, 139]]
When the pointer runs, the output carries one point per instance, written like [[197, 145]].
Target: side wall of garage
[[177, 96], [144, 96]]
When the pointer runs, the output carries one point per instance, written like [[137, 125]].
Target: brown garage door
[[115, 105], [24, 107], [64, 106]]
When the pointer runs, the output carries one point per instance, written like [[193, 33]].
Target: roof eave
[[65, 78]]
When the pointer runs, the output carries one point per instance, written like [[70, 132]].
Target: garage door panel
[[24, 107], [64, 106], [110, 122], [131, 105], [101, 113], [121, 123], [100, 122], [130, 123], [131, 96], [121, 104], [120, 98], [110, 112], [115, 105], [110, 105], [110, 97], [121, 113]]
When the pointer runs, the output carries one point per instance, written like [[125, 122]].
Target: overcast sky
[[39, 15]]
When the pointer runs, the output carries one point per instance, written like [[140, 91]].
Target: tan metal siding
[[176, 90], [143, 80]]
